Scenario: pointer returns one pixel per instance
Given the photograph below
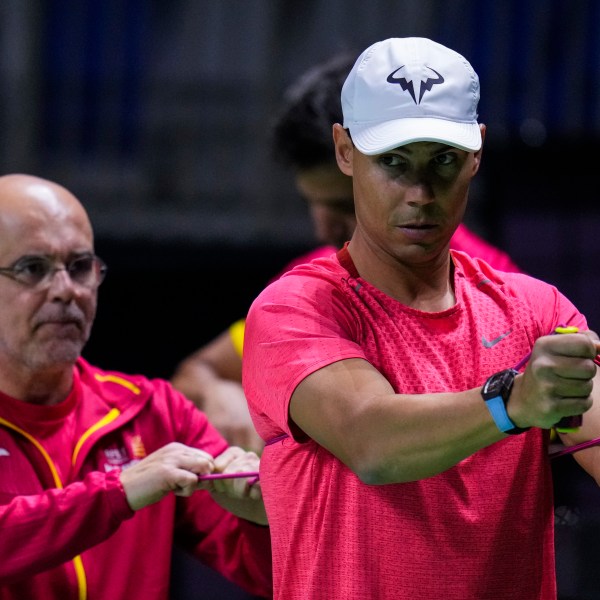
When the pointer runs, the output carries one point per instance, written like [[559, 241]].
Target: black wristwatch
[[496, 392]]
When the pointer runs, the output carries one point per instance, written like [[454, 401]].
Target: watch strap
[[497, 409], [497, 400]]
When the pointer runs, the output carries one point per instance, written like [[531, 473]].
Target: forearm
[[221, 399], [44, 530], [193, 378], [352, 410], [588, 459], [217, 360], [403, 438], [245, 508]]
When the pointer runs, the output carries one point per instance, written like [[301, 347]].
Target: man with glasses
[[100, 472]]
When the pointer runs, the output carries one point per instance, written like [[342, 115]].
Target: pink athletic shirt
[[483, 529]]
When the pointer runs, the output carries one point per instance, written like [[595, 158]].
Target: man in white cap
[[405, 391]]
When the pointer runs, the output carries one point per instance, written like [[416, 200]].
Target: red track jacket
[[66, 530]]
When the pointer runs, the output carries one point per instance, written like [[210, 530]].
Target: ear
[[477, 155], [344, 149]]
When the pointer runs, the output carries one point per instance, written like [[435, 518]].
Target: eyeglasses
[[38, 271]]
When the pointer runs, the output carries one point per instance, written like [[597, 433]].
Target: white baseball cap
[[404, 90]]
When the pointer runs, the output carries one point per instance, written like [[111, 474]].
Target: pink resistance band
[[252, 475]]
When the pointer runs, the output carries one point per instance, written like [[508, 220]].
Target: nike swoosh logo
[[491, 343]]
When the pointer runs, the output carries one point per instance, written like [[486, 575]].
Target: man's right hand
[[172, 468], [557, 382]]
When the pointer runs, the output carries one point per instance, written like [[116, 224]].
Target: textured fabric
[[482, 530], [463, 239], [237, 329], [60, 496], [319, 252]]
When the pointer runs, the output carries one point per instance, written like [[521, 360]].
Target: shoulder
[[161, 407], [315, 292], [480, 272], [124, 391], [306, 280], [112, 383], [540, 298]]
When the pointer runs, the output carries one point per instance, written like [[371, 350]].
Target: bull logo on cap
[[409, 85]]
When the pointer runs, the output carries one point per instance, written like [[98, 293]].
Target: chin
[[57, 355]]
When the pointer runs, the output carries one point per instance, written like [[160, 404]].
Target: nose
[[419, 193], [60, 284]]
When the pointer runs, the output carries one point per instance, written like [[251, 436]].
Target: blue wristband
[[496, 392], [497, 409]]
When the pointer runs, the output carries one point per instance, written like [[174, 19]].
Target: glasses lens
[[38, 271], [82, 270], [31, 271], [87, 270]]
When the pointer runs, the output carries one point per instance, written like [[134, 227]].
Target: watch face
[[499, 384], [496, 392]]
